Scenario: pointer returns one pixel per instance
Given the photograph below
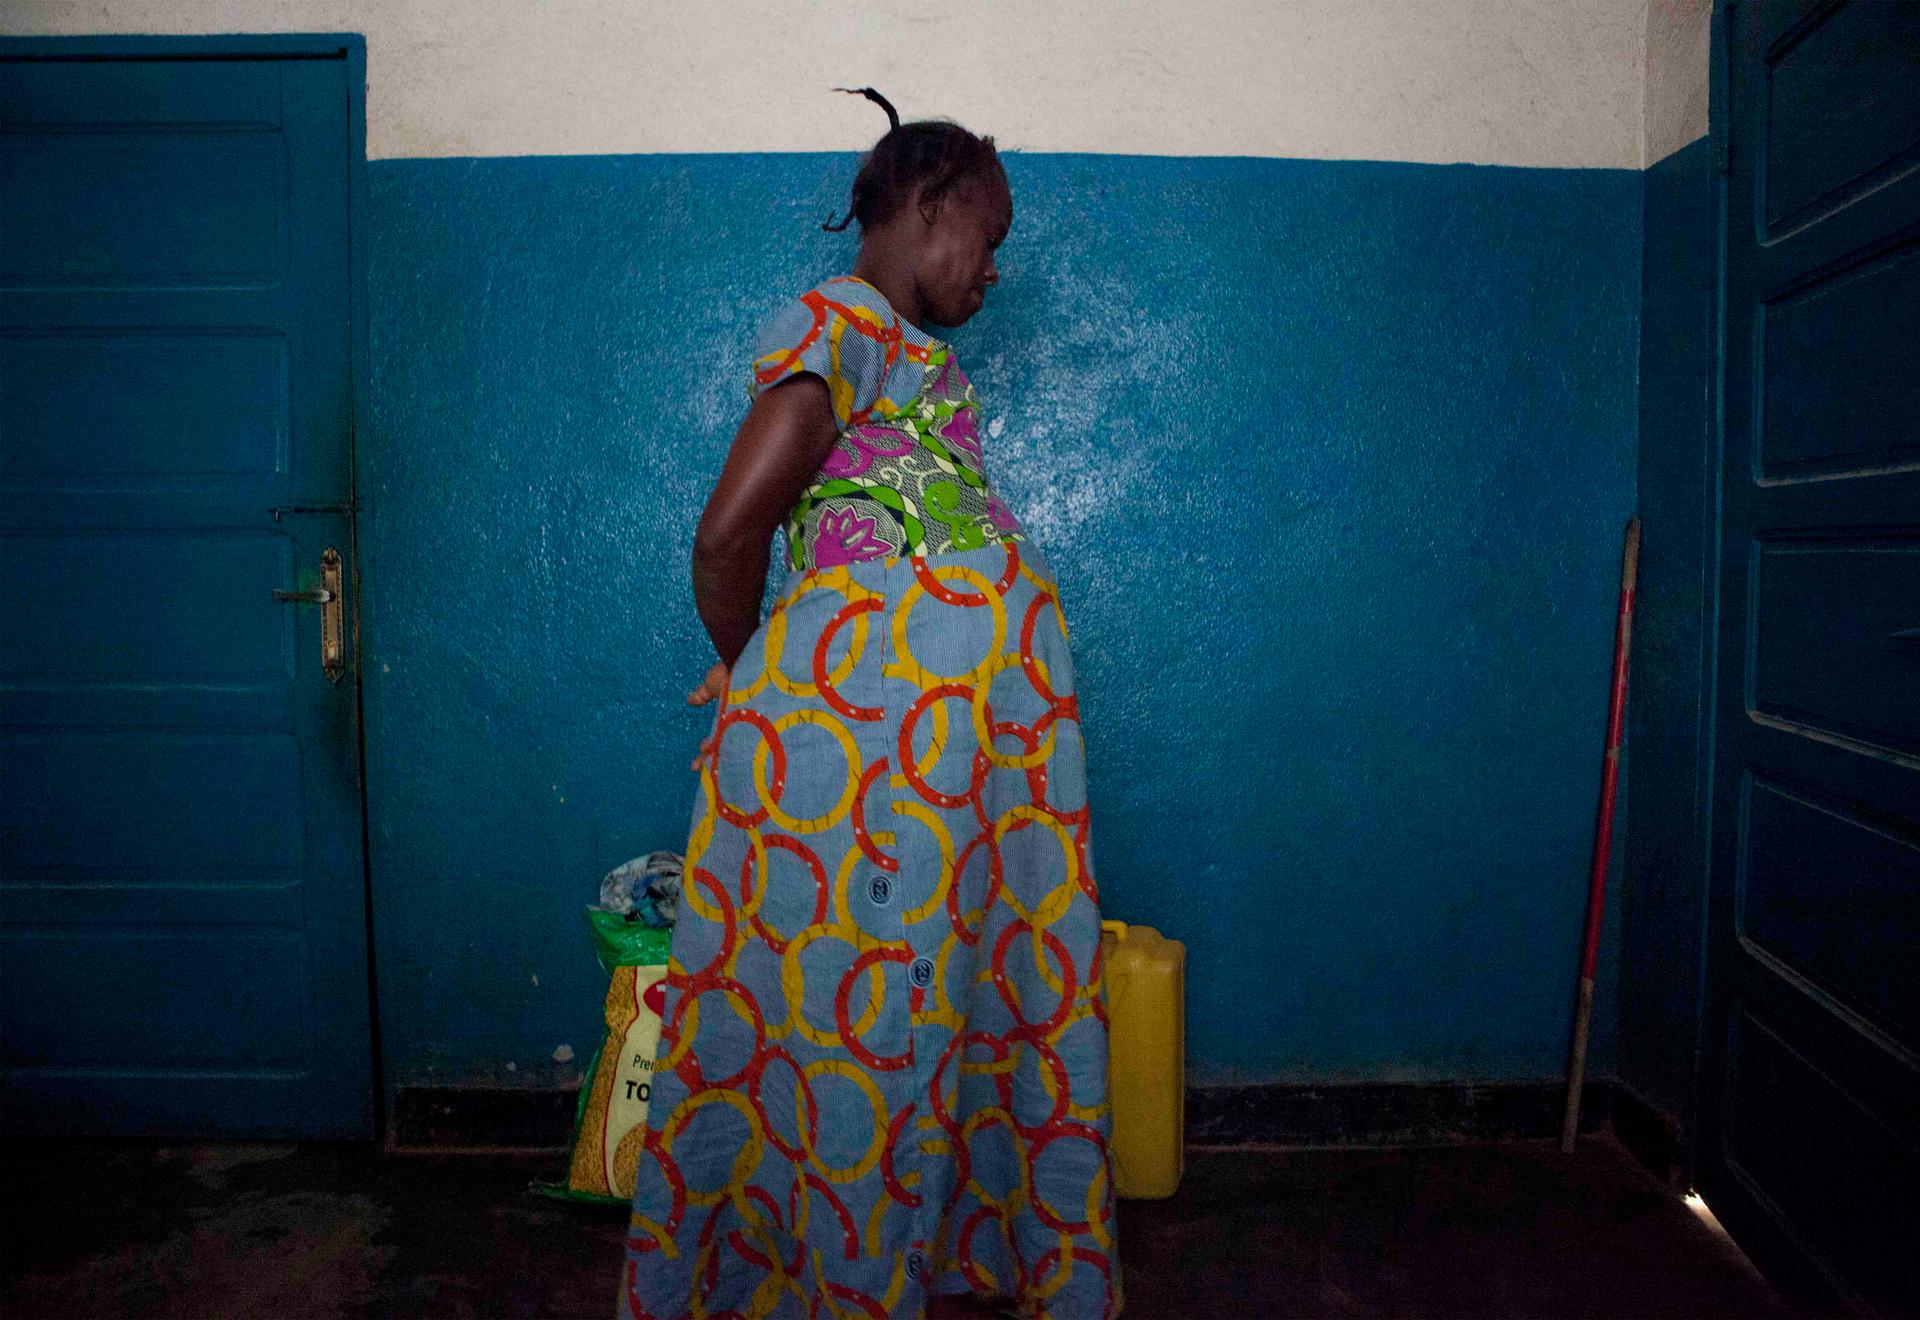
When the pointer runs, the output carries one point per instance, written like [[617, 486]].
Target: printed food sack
[[611, 1121]]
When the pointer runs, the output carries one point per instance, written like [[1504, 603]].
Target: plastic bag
[[648, 887], [610, 1122]]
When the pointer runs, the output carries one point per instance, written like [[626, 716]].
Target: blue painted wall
[[1663, 903], [1332, 460]]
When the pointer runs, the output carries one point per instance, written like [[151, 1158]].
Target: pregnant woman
[[881, 1085]]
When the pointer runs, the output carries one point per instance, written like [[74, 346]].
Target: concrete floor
[[122, 1228]]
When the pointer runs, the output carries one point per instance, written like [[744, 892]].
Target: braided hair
[[933, 155]]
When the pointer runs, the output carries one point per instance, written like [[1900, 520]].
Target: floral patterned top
[[906, 476]]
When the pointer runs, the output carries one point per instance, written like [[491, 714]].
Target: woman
[[881, 1082]]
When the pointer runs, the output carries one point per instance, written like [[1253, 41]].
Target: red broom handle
[[1603, 835]]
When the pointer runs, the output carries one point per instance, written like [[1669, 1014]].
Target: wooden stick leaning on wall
[[1603, 836]]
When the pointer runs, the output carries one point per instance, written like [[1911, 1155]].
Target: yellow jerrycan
[[1145, 979]]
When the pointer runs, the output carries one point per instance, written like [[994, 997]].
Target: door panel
[[211, 200], [1828, 651], [1810, 1087], [1834, 91], [1850, 939], [1807, 1145], [182, 885], [1840, 396], [138, 404]]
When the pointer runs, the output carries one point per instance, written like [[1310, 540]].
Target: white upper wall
[[1507, 82], [1678, 42]]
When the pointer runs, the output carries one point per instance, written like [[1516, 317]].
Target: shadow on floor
[[1515, 1229]]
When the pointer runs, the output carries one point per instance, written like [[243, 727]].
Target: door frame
[[352, 48], [1706, 985]]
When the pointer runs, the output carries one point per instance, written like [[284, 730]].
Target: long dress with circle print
[[882, 1071], [884, 1061]]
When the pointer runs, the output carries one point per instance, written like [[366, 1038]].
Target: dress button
[[920, 971], [916, 1262], [880, 889]]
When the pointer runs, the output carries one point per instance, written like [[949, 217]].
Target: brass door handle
[[332, 619]]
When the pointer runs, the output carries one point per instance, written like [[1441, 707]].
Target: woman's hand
[[710, 688]]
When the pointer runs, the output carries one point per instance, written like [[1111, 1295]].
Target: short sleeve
[[838, 335]]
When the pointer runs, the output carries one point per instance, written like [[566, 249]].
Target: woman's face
[[954, 265]]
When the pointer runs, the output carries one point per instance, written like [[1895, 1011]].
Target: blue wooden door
[[1810, 1086], [182, 888]]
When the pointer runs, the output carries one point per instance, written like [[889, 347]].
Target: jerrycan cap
[[1118, 929]]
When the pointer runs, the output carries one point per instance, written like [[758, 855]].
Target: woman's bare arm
[[787, 434]]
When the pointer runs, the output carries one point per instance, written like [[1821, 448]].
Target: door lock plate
[[332, 618], [333, 649]]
